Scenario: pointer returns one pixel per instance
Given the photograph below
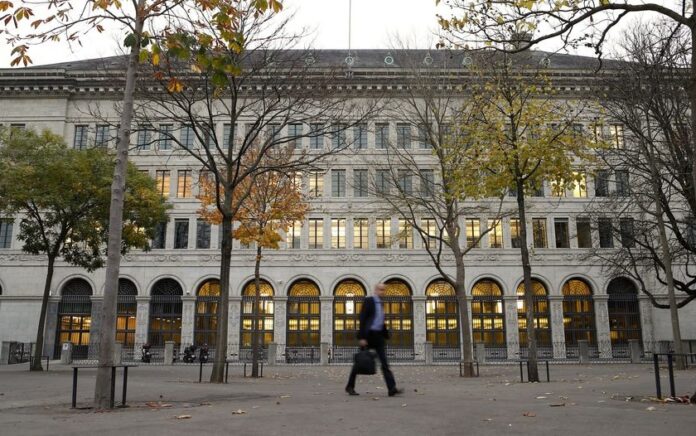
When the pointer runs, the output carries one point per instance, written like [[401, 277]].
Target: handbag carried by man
[[364, 362]]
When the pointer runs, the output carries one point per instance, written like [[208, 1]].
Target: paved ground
[[596, 399]]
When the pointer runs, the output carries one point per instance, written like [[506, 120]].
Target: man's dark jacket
[[367, 316]]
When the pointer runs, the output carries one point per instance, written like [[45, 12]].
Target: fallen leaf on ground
[[557, 405], [541, 397], [183, 417], [238, 412], [650, 409], [157, 404], [529, 414], [487, 419], [375, 398], [404, 405], [285, 396]]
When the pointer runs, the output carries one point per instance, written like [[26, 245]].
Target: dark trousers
[[375, 340]]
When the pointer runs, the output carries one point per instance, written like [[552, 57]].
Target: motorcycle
[[145, 356], [190, 354], [203, 354]]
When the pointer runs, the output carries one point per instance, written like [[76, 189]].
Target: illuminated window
[[405, 234], [398, 313], [429, 226], [487, 314], [205, 325], [316, 233], [540, 314], [316, 184], [294, 235], [184, 182], [303, 314], [264, 315], [360, 233], [578, 313], [348, 299], [75, 317], [165, 313], [579, 185], [473, 232], [495, 234], [162, 181], [383, 232], [441, 315], [338, 233], [515, 233], [616, 132], [539, 232]]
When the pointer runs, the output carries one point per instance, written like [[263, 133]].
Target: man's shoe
[[396, 392], [351, 391]]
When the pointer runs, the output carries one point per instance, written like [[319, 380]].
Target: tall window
[[316, 184], [623, 189], [360, 183], [617, 135], [75, 317], [162, 180], [80, 139], [423, 139], [264, 322], [338, 137], [165, 313], [205, 325], [515, 233], [627, 233], [495, 235], [398, 313], [405, 234], [606, 234], [144, 137], [316, 233], [272, 131], [210, 137], [382, 181], [102, 135], [184, 181], [304, 317], [405, 181], [624, 315], [187, 137], [473, 232], [558, 188], [316, 140], [539, 232], [580, 186], [160, 238], [584, 232], [202, 233], [430, 228], [541, 314], [403, 135], [338, 233], [560, 227], [487, 314], [602, 183], [338, 183], [181, 233], [166, 133], [295, 133], [427, 183], [360, 136], [227, 135], [578, 313], [348, 300], [441, 315], [6, 233], [383, 232], [126, 310], [294, 234], [381, 135], [360, 233]]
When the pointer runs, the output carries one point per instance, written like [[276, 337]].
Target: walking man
[[373, 334]]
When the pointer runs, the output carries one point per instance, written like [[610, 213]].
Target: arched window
[[165, 313], [127, 308], [304, 319], [398, 316], [488, 317], [348, 299], [542, 319], [624, 315], [265, 314], [75, 317], [578, 316], [207, 300], [442, 318]]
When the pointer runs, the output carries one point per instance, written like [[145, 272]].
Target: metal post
[[74, 387], [261, 374], [113, 385], [521, 373], [47, 360], [227, 370], [125, 386], [656, 366], [245, 369], [670, 368], [200, 372], [477, 368], [548, 378]]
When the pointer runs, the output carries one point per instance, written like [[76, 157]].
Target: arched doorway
[[205, 324], [624, 315], [578, 317], [398, 316], [348, 299], [127, 308], [442, 321], [542, 319], [303, 325], [488, 318], [165, 313], [75, 317], [264, 322]]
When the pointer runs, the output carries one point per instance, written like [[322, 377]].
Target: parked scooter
[[190, 354], [145, 353], [203, 354]]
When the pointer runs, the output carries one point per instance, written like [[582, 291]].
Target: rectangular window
[[538, 191], [338, 183], [294, 235], [584, 232], [316, 233], [143, 137], [160, 238], [166, 135], [382, 181], [295, 135], [210, 138], [473, 232], [80, 139], [226, 138], [360, 136], [183, 189], [187, 137], [539, 232], [627, 234], [623, 189], [383, 232], [606, 236], [202, 233], [162, 180], [602, 183], [272, 132], [405, 234], [181, 231], [580, 185], [515, 233], [316, 139], [558, 188], [381, 135], [423, 137], [598, 130], [405, 182], [360, 184], [6, 233], [403, 135], [360, 233], [616, 131], [430, 229], [560, 227], [338, 136], [427, 183], [495, 235], [338, 233], [102, 135], [316, 184]]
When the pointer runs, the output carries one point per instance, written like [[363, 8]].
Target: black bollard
[[656, 366], [670, 368]]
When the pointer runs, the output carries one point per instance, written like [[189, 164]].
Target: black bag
[[364, 362]]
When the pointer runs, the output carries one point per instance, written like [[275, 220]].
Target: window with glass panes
[[626, 232], [316, 233], [187, 136], [473, 232], [126, 311], [162, 182], [616, 132], [295, 133], [184, 183], [338, 183], [580, 185], [495, 234], [272, 131], [202, 233], [584, 232], [430, 228], [361, 230], [348, 300], [80, 138], [405, 234], [205, 323], [338, 233], [488, 314], [316, 139], [441, 315], [144, 137], [227, 135], [623, 189], [539, 232], [181, 233], [294, 235], [381, 135], [398, 313], [560, 228], [360, 183], [578, 313], [338, 136], [160, 236], [210, 136], [602, 183], [405, 181], [6, 225], [606, 233], [515, 233], [316, 184], [558, 188], [427, 183], [540, 313], [74, 317], [624, 314], [383, 232], [360, 136], [304, 315], [166, 135], [264, 314], [423, 137], [382, 181], [165, 313], [403, 135], [102, 135]]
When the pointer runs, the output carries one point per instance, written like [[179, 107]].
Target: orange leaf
[[175, 85]]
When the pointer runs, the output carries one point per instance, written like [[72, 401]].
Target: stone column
[[187, 320], [51, 327], [512, 334], [646, 323], [557, 327], [233, 326], [601, 309], [280, 309], [97, 303], [419, 326], [326, 322], [142, 317]]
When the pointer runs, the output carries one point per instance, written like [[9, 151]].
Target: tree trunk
[[255, 336], [218, 373], [38, 347], [691, 89], [532, 368], [464, 321], [107, 330]]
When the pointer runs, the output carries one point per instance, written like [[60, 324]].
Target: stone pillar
[[480, 352], [142, 317], [51, 327], [280, 310], [272, 353], [646, 323], [324, 350], [233, 326], [326, 322], [583, 351], [97, 303], [635, 349], [66, 353], [118, 347], [557, 328], [419, 326], [187, 320], [169, 352], [512, 334], [4, 353], [601, 308], [428, 353]]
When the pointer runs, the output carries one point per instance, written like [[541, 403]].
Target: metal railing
[[302, 355]]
